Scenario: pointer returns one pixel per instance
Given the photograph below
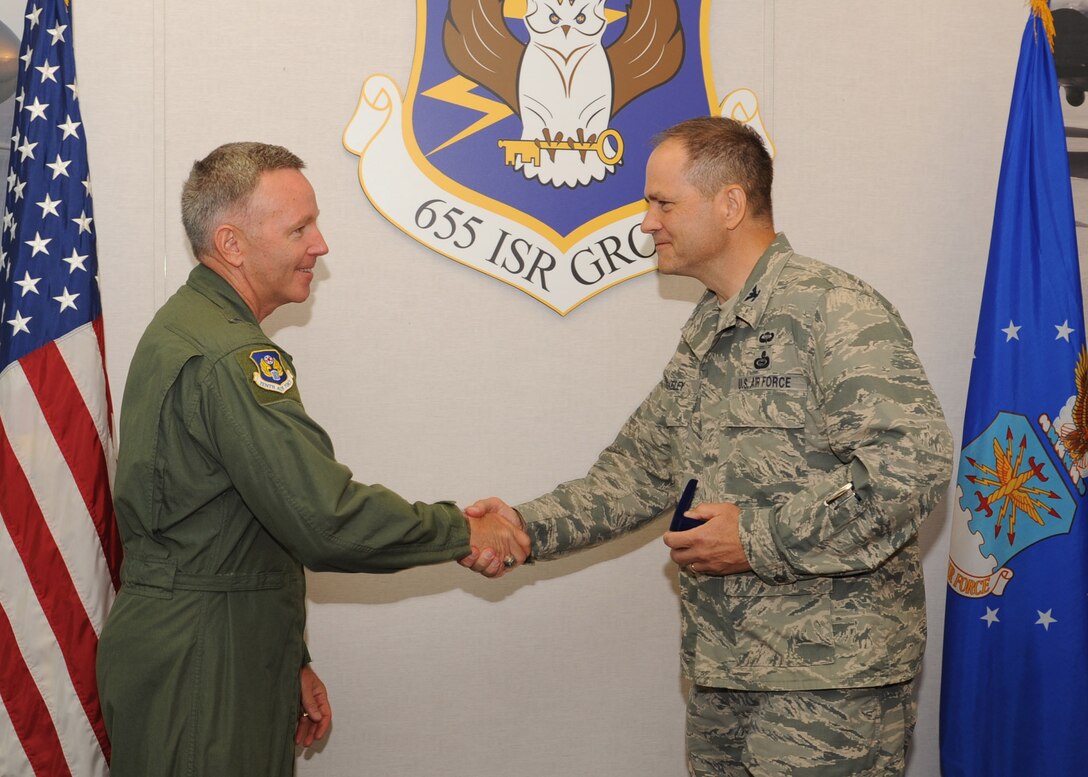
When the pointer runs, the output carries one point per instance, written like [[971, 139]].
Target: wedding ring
[[509, 562]]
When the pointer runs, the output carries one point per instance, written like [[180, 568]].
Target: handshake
[[497, 537]]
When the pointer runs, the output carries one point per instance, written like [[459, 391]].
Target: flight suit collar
[[210, 284], [705, 325]]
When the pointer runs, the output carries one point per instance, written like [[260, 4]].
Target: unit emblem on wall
[[521, 145]]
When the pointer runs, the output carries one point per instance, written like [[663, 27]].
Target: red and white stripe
[[60, 556]]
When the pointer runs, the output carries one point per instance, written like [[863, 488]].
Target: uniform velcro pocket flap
[[751, 585], [764, 409]]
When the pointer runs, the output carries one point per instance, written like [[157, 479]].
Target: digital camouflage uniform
[[808, 384], [225, 488]]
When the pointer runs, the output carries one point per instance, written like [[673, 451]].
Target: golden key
[[529, 150]]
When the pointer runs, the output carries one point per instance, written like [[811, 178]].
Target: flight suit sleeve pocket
[[149, 577]]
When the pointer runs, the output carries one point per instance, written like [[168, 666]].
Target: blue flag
[[1014, 689]]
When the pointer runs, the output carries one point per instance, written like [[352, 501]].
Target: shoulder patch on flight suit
[[268, 375]]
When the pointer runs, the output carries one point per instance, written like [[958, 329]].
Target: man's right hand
[[497, 536]]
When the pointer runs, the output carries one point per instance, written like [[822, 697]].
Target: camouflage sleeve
[[630, 484], [884, 423]]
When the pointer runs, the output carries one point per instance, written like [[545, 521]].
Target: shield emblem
[[1011, 497], [520, 148]]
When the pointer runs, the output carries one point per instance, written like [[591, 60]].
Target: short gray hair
[[721, 152], [223, 180]]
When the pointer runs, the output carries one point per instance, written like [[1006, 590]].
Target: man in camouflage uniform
[[796, 399]]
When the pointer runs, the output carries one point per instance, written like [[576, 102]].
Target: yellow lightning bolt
[[457, 91]]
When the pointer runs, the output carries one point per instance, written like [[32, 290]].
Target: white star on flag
[[37, 109], [28, 284], [19, 323], [84, 222], [1012, 332], [48, 206], [75, 262], [66, 300], [57, 32], [59, 167], [69, 128], [1045, 619], [39, 244], [47, 71]]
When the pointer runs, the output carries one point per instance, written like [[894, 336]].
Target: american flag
[[60, 553]]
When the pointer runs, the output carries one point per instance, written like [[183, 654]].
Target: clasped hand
[[497, 537], [713, 548]]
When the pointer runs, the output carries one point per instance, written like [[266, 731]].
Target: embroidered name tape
[[771, 382]]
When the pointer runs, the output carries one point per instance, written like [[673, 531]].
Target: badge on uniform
[[271, 373]]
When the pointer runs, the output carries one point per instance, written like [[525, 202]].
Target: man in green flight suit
[[796, 399], [226, 489]]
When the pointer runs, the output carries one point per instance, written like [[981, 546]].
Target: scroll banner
[[975, 586]]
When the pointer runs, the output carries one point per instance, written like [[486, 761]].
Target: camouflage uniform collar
[[755, 294], [704, 326], [210, 284]]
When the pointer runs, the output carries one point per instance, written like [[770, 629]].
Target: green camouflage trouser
[[853, 732]]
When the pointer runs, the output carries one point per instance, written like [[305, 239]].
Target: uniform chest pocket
[[766, 402], [678, 406], [762, 443]]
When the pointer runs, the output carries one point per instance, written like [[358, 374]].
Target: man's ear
[[227, 243], [732, 205]]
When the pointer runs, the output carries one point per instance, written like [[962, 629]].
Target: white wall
[[435, 380]]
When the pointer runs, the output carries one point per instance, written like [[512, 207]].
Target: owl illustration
[[564, 84]]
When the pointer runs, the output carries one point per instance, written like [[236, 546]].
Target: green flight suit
[[225, 489]]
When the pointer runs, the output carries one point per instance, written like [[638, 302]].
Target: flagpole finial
[[1041, 8]]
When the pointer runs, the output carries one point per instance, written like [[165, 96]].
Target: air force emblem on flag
[[1010, 497], [520, 148]]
